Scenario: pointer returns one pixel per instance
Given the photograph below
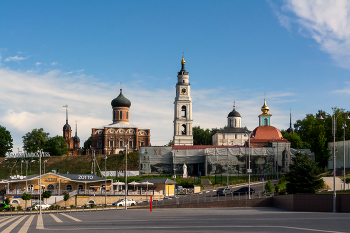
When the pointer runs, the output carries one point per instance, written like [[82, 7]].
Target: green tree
[[56, 146], [26, 197], [66, 198], [34, 140], [268, 187], [295, 140], [87, 145], [5, 141], [170, 143], [201, 136], [7, 201], [303, 175], [46, 194]]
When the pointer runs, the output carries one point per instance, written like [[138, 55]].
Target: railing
[[87, 192]]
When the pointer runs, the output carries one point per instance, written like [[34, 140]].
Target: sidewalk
[[338, 183]]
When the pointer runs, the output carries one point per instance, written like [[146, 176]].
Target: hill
[[79, 164]]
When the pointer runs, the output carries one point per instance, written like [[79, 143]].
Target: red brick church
[[73, 143], [114, 137]]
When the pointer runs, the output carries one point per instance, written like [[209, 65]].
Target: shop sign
[[50, 179], [17, 196], [83, 196], [85, 177]]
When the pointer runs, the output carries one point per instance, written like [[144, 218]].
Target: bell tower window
[[265, 122], [120, 115], [183, 129], [183, 111]]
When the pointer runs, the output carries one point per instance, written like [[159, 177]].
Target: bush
[[92, 206], [7, 201], [282, 179], [13, 208], [19, 208], [72, 206], [347, 180], [277, 188], [57, 207], [1, 209], [268, 186], [282, 192], [85, 206]]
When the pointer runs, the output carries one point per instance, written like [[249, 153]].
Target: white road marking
[[26, 225], [68, 216], [56, 218], [4, 223], [40, 223], [13, 225]]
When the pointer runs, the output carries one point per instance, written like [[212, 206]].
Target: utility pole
[[126, 175]]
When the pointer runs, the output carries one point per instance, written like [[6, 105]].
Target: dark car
[[223, 191], [243, 191], [4, 206]]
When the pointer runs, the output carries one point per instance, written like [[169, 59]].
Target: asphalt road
[[181, 220]]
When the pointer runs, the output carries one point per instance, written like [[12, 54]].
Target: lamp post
[[343, 127], [334, 120], [249, 170], [105, 179], [26, 175], [126, 175], [39, 151]]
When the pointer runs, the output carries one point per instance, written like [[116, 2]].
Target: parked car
[[243, 191], [223, 191], [36, 206], [121, 202], [6, 207]]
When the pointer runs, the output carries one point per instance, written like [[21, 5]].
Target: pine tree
[[303, 175]]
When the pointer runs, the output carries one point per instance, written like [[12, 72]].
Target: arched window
[[121, 115], [130, 144], [30, 187], [91, 202], [69, 187], [110, 143], [235, 123], [50, 187], [15, 201], [266, 122], [18, 186], [183, 111], [80, 187], [120, 143], [183, 129]]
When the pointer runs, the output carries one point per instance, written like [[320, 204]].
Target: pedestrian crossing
[[33, 223]]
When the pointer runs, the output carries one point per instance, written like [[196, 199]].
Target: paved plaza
[[176, 220]]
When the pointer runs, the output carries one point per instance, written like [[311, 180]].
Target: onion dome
[[234, 113], [265, 109], [76, 138], [121, 101], [66, 126]]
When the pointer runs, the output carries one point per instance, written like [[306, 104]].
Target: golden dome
[[265, 109], [183, 60]]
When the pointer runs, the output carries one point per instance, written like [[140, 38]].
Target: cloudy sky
[[54, 53]]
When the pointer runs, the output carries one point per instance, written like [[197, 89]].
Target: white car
[[43, 206], [121, 202]]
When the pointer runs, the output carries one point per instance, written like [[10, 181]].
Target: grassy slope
[[74, 164]]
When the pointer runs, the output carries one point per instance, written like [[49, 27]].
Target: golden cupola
[[183, 60], [265, 109]]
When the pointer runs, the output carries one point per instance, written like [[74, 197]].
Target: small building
[[164, 184]]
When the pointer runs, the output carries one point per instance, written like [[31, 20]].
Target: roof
[[74, 177], [234, 130], [266, 133], [158, 181], [196, 147], [234, 113], [121, 101], [66, 127]]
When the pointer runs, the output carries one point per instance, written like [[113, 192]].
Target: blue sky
[[54, 53]]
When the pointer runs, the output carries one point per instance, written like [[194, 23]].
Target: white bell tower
[[183, 109]]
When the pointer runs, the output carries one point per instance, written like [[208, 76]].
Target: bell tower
[[183, 109]]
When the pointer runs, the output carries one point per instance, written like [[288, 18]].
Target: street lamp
[[39, 151], [126, 176], [343, 127], [105, 179], [249, 171], [334, 120]]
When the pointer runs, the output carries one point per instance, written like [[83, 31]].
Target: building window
[[142, 144], [120, 143], [50, 187], [130, 144], [113, 115], [69, 187], [30, 187], [183, 129], [265, 122], [91, 187], [66, 135], [99, 144], [91, 202], [75, 145], [235, 136], [14, 201], [121, 115], [110, 143], [235, 123], [80, 187], [127, 115], [183, 111]]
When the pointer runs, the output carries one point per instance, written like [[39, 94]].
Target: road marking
[[56, 218], [13, 225], [4, 223], [26, 225], [68, 216], [40, 223]]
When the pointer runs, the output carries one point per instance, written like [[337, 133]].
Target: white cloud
[[75, 71], [31, 100], [327, 22], [38, 63], [54, 63], [15, 58]]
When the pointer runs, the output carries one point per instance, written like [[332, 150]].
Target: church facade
[[73, 143], [114, 138]]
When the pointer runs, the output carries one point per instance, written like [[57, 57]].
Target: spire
[[234, 104], [290, 119], [183, 62], [66, 106], [76, 128]]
